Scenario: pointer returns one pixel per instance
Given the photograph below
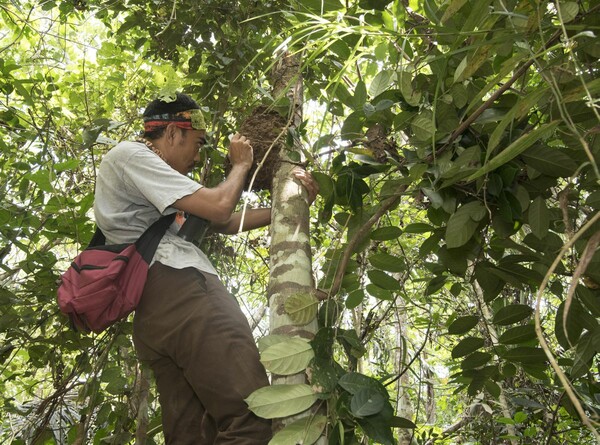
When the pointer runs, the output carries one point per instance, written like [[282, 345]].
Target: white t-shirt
[[134, 188]]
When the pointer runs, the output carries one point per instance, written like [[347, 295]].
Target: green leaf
[[401, 422], [355, 298], [275, 401], [70, 164], [366, 402], [476, 360], [593, 200], [488, 280], [550, 161], [378, 426], [520, 109], [360, 95], [587, 348], [515, 149], [305, 431], [466, 346], [379, 293], [463, 324], [418, 228], [349, 339], [386, 233], [385, 261], [301, 308], [383, 280], [578, 319], [269, 340], [321, 6], [411, 96], [460, 69], [568, 11], [452, 9], [287, 357], [539, 217], [353, 382], [326, 184], [525, 355], [423, 126], [518, 335], [380, 83], [43, 179], [463, 223], [493, 388], [459, 94], [512, 313], [519, 274]]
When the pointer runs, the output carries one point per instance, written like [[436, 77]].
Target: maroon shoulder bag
[[105, 282]]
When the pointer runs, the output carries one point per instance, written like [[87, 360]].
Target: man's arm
[[217, 204], [253, 219]]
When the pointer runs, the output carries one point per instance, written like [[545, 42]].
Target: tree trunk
[[290, 253], [404, 406]]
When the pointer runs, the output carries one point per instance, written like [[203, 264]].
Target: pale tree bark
[[487, 315], [290, 253], [404, 406], [140, 400]]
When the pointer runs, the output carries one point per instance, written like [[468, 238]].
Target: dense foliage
[[455, 241]]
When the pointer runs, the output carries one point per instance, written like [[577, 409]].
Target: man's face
[[187, 149]]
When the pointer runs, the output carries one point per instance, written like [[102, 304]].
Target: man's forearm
[[252, 219]]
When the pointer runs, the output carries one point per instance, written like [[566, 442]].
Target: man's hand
[[308, 181], [240, 151]]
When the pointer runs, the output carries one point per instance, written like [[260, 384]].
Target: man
[[187, 327]]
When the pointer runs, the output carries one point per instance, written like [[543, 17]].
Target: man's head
[[177, 129], [183, 110]]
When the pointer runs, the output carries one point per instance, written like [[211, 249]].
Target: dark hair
[[183, 102]]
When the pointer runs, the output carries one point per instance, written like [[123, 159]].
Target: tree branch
[[357, 238]]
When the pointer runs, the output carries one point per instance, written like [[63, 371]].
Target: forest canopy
[[454, 240]]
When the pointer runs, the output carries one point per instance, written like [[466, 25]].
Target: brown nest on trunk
[[263, 127]]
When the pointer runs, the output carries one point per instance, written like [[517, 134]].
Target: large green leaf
[[462, 224], [301, 308], [378, 426], [353, 382], [276, 401], [525, 355], [305, 431], [522, 107], [423, 126], [539, 217], [366, 402], [550, 161], [388, 262], [518, 335], [383, 280], [515, 149], [511, 314], [463, 324], [476, 360], [587, 348], [380, 83], [466, 346], [386, 233], [287, 357], [452, 8]]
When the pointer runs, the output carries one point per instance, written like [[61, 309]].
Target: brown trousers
[[194, 336]]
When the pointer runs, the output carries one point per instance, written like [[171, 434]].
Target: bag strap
[[148, 243]]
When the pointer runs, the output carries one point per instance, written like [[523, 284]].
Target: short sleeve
[[149, 176]]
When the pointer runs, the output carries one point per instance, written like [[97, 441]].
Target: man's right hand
[[240, 151]]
